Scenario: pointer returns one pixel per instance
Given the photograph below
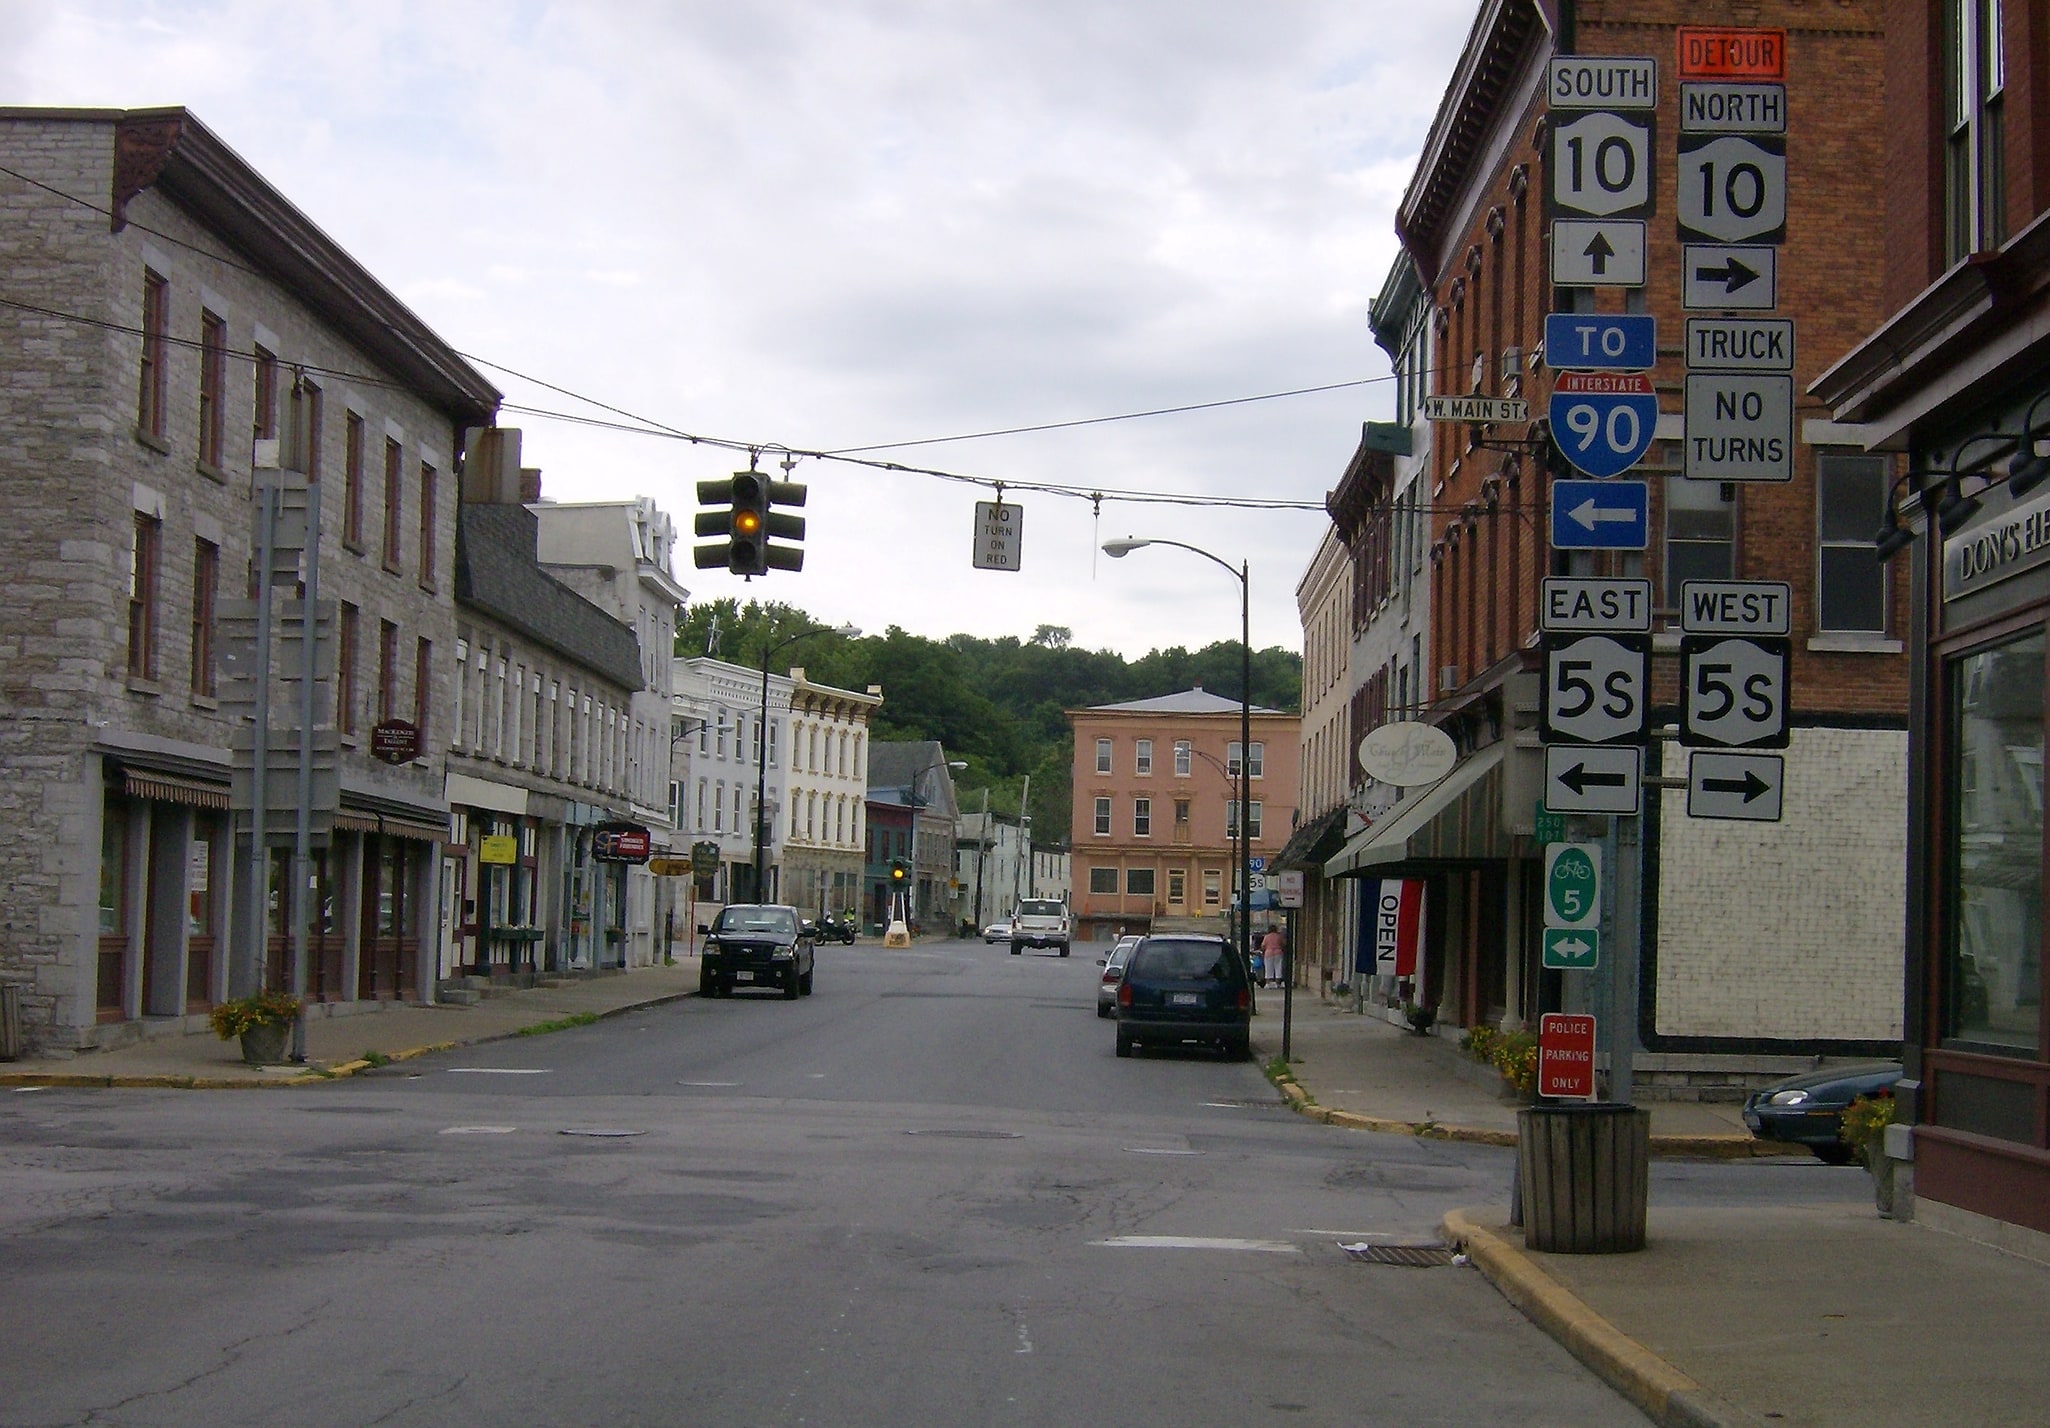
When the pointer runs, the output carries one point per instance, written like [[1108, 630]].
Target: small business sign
[[1392, 931], [1454, 408], [669, 867], [1289, 887], [500, 849], [1565, 1070], [999, 535], [1601, 342], [1408, 754], [1598, 253], [620, 843], [395, 741], [2016, 540], [704, 860]]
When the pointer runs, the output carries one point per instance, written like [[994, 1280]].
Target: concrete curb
[[1667, 1396], [312, 1074]]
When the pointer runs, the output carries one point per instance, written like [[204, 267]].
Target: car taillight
[[1125, 995], [1245, 998]]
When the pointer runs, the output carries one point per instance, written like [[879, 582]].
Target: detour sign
[[1719, 52]]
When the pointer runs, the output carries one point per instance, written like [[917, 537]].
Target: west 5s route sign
[[1733, 691], [1603, 421], [1735, 785], [1595, 688]]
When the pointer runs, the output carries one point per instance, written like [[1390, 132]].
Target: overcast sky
[[828, 224]]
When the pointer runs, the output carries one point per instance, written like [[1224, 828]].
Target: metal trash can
[[1584, 1173], [10, 1021]]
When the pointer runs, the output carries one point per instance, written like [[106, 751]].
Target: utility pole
[[981, 856], [1024, 845]]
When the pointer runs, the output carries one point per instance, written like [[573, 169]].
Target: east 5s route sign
[[1603, 422], [1596, 688]]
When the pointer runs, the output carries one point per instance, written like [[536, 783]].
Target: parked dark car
[[756, 945], [1809, 1109], [1185, 988]]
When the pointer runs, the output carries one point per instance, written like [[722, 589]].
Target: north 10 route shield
[[1603, 421]]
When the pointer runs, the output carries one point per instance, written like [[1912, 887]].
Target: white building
[[825, 828]]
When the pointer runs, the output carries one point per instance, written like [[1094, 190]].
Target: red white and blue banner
[[1391, 927]]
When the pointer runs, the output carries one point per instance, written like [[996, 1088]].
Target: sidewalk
[[343, 1043], [1805, 1316]]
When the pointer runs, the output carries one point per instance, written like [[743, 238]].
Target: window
[[1974, 155], [1993, 971], [206, 584], [1103, 756], [1103, 880], [1139, 882], [1256, 766], [1231, 759], [387, 671], [1103, 818], [394, 499], [1213, 888], [1181, 815], [459, 737], [149, 397], [307, 406], [265, 415], [1183, 755], [142, 596], [1231, 818], [345, 670], [1142, 757], [427, 498], [213, 381], [352, 482], [1142, 818], [1253, 822], [1850, 494], [423, 686], [1700, 535]]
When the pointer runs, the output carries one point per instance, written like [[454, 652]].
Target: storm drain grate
[[968, 1134], [1415, 1256]]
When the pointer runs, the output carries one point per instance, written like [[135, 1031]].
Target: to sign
[[1732, 188], [1744, 786], [1740, 344], [1573, 884], [1601, 166], [1594, 778], [1723, 275], [1568, 949], [1600, 515], [1603, 421], [1565, 1069], [1598, 252], [1734, 692], [1588, 342], [1602, 82], [1726, 52], [999, 535], [1740, 427], [1575, 603], [1594, 690]]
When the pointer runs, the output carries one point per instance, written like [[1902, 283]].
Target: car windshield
[[1118, 956], [781, 921], [1041, 909], [1194, 961]]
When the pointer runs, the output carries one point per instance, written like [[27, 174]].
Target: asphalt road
[[928, 1194]]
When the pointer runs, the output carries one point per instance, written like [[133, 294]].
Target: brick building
[[1954, 375], [170, 316], [1155, 816], [1761, 942]]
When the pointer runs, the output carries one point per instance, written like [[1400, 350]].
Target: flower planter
[[265, 1045]]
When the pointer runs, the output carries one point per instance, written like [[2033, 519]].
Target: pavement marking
[[714, 1085], [600, 1132], [29, 1090], [477, 1130], [1148, 1150], [1198, 1242], [499, 1070]]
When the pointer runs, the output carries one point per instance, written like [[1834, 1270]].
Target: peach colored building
[[1153, 830]]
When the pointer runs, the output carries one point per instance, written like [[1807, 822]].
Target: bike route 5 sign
[[1601, 165], [1733, 691], [1595, 689], [1603, 422], [1573, 884]]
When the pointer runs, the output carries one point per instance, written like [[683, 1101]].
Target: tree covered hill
[[995, 703]]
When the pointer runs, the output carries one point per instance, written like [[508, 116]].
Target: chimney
[[530, 484], [492, 475]]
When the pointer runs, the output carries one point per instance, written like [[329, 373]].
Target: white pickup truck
[[1040, 922]]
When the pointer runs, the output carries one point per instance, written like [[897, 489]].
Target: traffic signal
[[743, 509], [750, 552], [900, 872], [781, 525], [715, 521]]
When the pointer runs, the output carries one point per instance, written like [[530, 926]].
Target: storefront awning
[[356, 820], [1388, 838], [144, 783], [1312, 843]]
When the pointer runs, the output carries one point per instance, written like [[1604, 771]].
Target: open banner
[[1391, 927]]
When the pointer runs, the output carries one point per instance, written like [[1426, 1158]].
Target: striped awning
[[356, 820], [171, 788]]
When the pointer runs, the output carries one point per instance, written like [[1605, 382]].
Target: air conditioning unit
[[1448, 676]]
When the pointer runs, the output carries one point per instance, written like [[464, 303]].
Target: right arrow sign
[[1745, 786]]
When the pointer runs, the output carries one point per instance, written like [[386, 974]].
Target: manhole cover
[[1415, 1256], [968, 1134], [601, 1132]]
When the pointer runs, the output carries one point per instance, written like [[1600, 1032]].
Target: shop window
[[1213, 888], [1139, 882], [1177, 886], [1103, 880], [1850, 499], [1993, 981]]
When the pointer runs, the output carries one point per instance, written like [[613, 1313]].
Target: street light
[[1118, 550], [769, 652]]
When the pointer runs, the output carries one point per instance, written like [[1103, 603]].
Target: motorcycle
[[838, 929]]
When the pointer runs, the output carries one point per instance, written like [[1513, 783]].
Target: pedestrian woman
[[1271, 954]]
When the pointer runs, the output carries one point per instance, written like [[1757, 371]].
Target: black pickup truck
[[756, 945]]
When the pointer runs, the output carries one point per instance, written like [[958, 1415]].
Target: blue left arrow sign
[[1598, 342], [1600, 515]]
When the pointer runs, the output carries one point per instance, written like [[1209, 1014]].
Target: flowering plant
[[1864, 1123], [239, 1014], [1516, 1057]]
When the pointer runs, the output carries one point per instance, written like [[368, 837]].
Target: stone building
[[174, 327], [824, 826]]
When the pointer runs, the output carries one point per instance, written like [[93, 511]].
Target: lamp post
[[1118, 550], [769, 652]]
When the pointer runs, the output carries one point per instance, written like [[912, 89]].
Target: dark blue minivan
[[1180, 988]]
